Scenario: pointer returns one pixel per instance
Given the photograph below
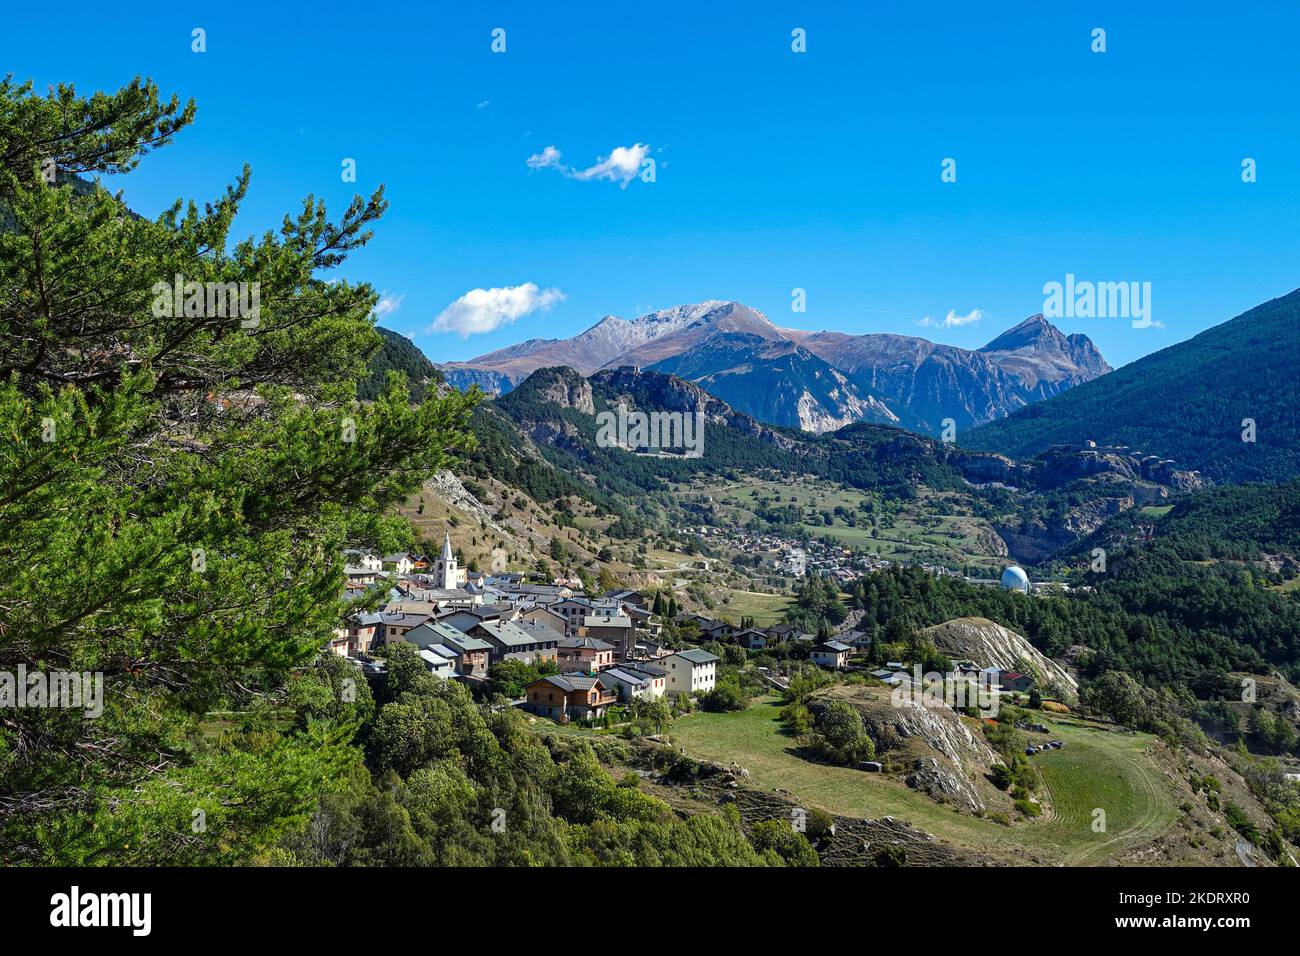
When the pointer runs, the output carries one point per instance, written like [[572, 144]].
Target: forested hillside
[[1189, 402], [397, 353]]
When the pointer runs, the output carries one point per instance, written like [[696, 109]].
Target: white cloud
[[620, 166], [388, 304], [483, 104], [547, 158], [482, 310], [953, 320]]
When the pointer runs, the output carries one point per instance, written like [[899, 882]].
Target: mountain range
[[815, 381]]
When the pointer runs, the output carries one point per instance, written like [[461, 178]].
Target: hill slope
[[1186, 402], [398, 353]]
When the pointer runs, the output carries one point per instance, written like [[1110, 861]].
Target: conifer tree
[[177, 479]]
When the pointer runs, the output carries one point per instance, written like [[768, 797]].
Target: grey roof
[[697, 656], [433, 659], [434, 632], [465, 643], [626, 674], [513, 634], [834, 646], [647, 669], [568, 682], [588, 643], [402, 619], [602, 620]]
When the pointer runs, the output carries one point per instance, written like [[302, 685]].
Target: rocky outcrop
[[564, 388], [465, 377], [934, 749]]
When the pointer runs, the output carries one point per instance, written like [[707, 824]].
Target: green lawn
[[1097, 768], [765, 609]]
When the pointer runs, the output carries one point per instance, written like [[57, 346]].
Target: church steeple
[[448, 575]]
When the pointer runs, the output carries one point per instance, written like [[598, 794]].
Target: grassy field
[[1096, 769], [765, 609]]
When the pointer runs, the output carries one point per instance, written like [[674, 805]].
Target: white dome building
[[1015, 579]]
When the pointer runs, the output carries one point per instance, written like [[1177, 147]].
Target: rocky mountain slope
[[777, 382], [924, 382]]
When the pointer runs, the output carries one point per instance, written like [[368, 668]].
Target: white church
[[447, 573]]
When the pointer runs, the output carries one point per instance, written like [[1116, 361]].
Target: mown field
[[765, 609], [1097, 769]]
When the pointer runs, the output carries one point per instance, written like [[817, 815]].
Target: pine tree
[[176, 484]]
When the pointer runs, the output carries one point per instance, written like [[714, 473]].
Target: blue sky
[[774, 170]]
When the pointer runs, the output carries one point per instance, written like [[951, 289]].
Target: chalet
[[779, 633], [574, 609], [658, 676], [831, 654], [471, 655], [465, 618], [713, 630], [430, 633], [691, 671], [860, 641], [751, 638], [363, 559], [568, 696], [634, 683], [1013, 681], [359, 575], [585, 654], [633, 598], [544, 615]]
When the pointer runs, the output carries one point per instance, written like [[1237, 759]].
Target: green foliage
[[779, 838], [509, 678], [846, 741], [455, 783], [727, 694]]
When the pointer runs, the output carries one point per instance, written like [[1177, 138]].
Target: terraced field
[[1097, 768]]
